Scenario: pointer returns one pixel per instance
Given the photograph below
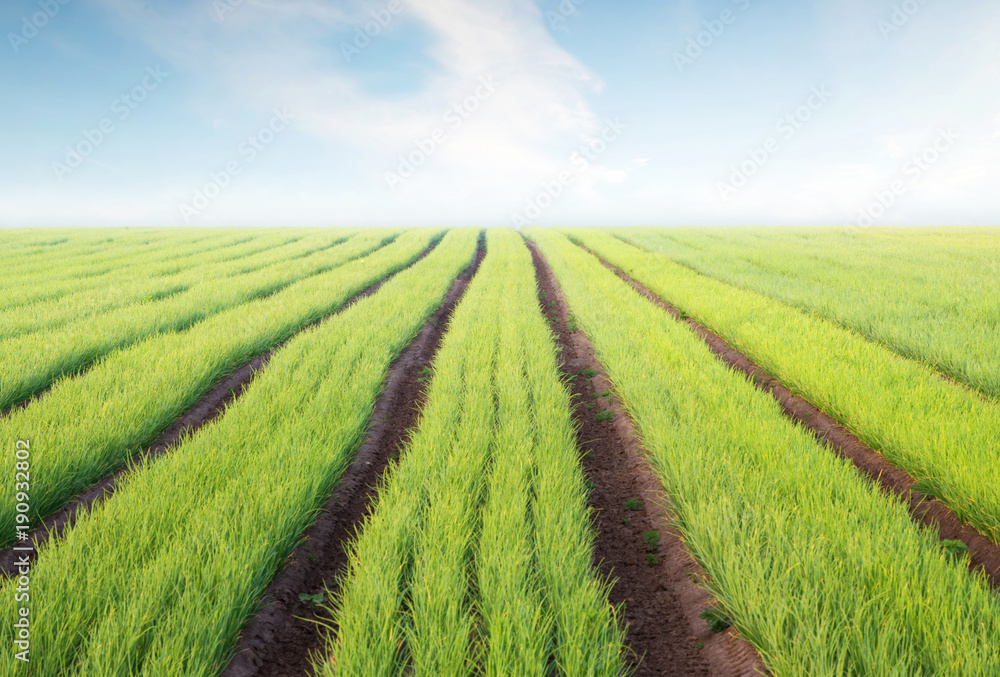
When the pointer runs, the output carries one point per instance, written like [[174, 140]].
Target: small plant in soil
[[589, 405], [424, 375], [606, 393], [625, 521], [632, 504], [312, 599], [717, 619], [684, 316], [699, 645], [926, 488], [652, 559], [588, 372], [571, 323], [652, 540], [954, 550], [606, 415], [590, 485]]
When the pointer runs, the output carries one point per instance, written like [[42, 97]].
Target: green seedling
[[625, 521], [590, 485], [588, 372], [424, 375], [717, 619], [606, 393], [652, 540], [699, 645], [312, 599], [652, 559], [954, 550], [589, 405], [632, 504], [606, 415]]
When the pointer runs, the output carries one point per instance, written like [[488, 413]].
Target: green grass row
[[945, 436], [54, 276], [32, 362], [88, 426], [149, 284], [477, 556], [159, 579], [928, 294], [820, 571]]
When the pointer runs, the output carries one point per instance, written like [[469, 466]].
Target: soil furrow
[[655, 582], [924, 510], [281, 638], [204, 411]]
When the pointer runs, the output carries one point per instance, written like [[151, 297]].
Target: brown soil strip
[[924, 510], [203, 412], [657, 584], [281, 638]]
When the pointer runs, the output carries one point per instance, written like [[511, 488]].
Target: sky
[[499, 112]]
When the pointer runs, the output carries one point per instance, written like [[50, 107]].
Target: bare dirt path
[[203, 412], [924, 510], [280, 639], [656, 582]]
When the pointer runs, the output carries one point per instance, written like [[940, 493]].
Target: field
[[594, 452]]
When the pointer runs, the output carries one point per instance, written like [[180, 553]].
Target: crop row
[[159, 579], [150, 284], [928, 295], [822, 573], [945, 436], [30, 363], [88, 426], [477, 556], [53, 276]]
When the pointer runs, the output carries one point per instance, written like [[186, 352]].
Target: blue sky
[[490, 112]]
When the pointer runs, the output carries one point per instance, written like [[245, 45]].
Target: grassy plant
[[919, 275], [716, 619], [159, 578], [476, 558], [951, 436], [85, 427], [822, 574]]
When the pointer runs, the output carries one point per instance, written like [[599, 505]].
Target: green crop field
[[455, 451]]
